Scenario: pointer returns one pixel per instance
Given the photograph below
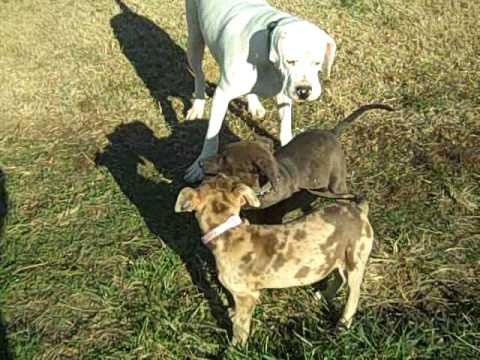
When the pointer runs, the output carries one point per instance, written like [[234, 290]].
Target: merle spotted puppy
[[250, 258]]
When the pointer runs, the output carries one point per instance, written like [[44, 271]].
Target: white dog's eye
[[318, 63], [291, 62]]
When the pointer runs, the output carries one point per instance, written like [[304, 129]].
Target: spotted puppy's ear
[[248, 195], [329, 56], [187, 200]]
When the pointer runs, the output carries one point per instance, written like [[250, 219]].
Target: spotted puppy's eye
[[291, 62]]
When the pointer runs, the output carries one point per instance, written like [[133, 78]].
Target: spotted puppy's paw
[[342, 325]]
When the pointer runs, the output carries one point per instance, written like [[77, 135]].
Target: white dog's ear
[[275, 36], [330, 50], [187, 200], [273, 55]]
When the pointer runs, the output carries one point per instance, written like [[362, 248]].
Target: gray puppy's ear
[[264, 141], [248, 195], [212, 165], [268, 166], [187, 200]]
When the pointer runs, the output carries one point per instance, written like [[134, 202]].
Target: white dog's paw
[[197, 110], [194, 173], [255, 107], [257, 113]]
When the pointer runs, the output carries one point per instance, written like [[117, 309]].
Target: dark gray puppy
[[313, 161]]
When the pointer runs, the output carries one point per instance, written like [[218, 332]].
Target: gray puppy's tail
[[356, 114], [359, 199]]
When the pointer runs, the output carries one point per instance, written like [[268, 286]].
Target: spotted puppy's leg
[[244, 307], [357, 258], [355, 278]]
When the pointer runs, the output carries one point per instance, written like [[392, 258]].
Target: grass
[[94, 264]]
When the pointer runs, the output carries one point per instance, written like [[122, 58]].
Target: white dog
[[260, 51]]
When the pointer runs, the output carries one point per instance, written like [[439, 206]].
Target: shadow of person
[[4, 348], [159, 62], [133, 145]]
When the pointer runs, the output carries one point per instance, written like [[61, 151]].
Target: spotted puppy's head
[[215, 200], [251, 162], [299, 49]]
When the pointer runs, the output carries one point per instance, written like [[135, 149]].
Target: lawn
[[94, 263]]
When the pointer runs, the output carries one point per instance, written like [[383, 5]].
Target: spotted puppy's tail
[[356, 114], [362, 203]]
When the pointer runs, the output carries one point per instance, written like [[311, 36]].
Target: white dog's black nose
[[303, 92]]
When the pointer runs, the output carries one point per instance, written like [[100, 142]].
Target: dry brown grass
[[94, 263]]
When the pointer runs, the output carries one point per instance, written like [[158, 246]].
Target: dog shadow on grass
[[163, 67], [133, 145], [4, 348], [158, 61]]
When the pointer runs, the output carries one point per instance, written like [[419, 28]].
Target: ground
[[94, 264]]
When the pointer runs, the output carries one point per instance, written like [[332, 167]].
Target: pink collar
[[231, 222]]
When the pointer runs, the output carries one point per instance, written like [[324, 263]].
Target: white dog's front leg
[[197, 109], [284, 104], [255, 107], [195, 51], [210, 144]]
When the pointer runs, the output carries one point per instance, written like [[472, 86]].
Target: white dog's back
[[244, 15]]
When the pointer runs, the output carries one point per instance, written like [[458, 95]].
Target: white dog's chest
[[237, 36]]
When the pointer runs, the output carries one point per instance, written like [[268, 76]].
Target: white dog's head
[[299, 50]]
